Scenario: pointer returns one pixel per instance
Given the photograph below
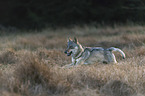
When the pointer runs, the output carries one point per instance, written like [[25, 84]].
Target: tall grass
[[31, 64]]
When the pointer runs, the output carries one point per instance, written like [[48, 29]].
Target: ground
[[31, 63]]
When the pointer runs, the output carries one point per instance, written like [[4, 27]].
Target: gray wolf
[[90, 55]]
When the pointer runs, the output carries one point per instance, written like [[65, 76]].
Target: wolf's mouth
[[68, 54]]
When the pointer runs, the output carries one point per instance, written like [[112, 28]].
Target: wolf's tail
[[118, 50]]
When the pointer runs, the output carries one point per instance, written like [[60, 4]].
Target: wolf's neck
[[80, 51]]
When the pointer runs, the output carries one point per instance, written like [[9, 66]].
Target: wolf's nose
[[65, 52]]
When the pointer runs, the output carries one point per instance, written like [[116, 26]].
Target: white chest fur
[[75, 61]]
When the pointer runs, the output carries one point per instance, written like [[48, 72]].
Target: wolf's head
[[72, 47]]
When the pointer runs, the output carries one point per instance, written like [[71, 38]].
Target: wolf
[[90, 55]]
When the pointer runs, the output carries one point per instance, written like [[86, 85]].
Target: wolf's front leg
[[79, 61], [69, 65]]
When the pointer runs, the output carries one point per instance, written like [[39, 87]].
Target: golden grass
[[31, 64]]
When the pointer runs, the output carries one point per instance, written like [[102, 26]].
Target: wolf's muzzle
[[68, 53], [65, 51]]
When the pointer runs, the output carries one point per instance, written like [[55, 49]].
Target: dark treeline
[[38, 13]]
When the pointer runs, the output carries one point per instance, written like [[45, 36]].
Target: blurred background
[[32, 14]]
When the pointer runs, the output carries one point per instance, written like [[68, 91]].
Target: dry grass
[[31, 64]]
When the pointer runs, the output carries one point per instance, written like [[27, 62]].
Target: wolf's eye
[[71, 47]]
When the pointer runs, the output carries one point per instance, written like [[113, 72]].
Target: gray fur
[[90, 55]]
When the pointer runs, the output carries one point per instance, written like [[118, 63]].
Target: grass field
[[30, 63]]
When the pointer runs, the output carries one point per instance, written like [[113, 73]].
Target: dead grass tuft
[[117, 88], [36, 76], [53, 57], [8, 56], [32, 70]]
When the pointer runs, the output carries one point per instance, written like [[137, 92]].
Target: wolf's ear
[[75, 40]]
